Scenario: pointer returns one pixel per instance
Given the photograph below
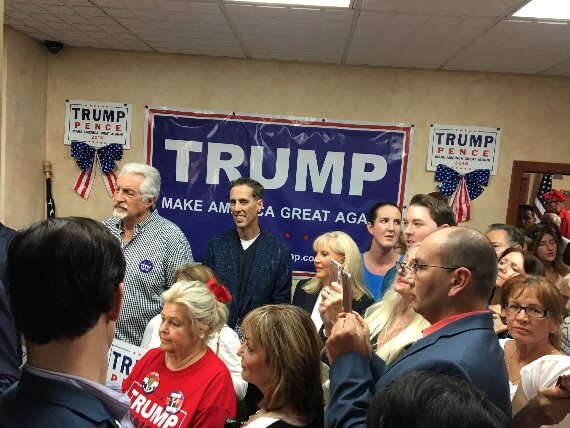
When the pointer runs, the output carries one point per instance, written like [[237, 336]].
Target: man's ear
[[443, 226], [259, 205], [117, 302], [460, 280], [148, 203]]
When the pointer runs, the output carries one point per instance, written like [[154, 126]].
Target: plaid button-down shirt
[[154, 252]]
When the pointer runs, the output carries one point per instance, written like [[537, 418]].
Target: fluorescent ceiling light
[[313, 3], [545, 9]]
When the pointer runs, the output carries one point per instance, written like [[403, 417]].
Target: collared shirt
[[117, 403], [154, 252], [446, 321]]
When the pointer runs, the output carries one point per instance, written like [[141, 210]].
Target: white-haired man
[[154, 247]]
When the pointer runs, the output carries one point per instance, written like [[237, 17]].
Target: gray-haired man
[[153, 246]]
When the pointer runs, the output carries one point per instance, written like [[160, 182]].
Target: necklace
[[509, 365], [186, 361], [511, 357]]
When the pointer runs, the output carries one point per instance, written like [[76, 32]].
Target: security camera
[[53, 47]]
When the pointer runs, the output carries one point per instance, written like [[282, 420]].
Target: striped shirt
[[154, 252]]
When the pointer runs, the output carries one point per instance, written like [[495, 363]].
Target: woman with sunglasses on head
[[545, 245], [533, 309], [512, 262], [318, 293], [393, 323]]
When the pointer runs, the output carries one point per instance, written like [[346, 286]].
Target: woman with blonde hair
[[313, 293], [224, 343], [393, 323], [281, 356], [183, 383]]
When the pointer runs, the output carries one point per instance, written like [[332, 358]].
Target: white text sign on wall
[[98, 124], [463, 148]]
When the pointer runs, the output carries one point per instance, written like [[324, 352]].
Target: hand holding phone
[[563, 382]]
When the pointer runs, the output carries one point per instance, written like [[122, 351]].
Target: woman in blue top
[[384, 224]]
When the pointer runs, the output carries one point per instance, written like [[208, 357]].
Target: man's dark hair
[[256, 187], [439, 211], [471, 249], [62, 275], [515, 236], [433, 400], [526, 208]]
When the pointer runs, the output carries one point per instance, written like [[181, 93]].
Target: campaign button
[[145, 266]]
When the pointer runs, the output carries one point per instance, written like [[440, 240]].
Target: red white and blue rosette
[[87, 158], [461, 189]]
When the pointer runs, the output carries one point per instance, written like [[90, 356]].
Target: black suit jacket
[[270, 278], [5, 235]]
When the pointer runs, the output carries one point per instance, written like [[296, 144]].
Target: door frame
[[520, 167]]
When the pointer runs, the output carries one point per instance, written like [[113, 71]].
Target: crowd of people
[[449, 326]]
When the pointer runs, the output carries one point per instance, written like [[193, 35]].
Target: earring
[[202, 336]]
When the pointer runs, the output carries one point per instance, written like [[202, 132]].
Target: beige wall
[[23, 130], [525, 108]]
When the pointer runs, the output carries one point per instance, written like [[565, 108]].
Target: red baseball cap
[[555, 195]]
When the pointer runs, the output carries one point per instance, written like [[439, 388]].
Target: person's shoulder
[[51, 406], [269, 237], [224, 236], [112, 223], [215, 367], [166, 224], [153, 357]]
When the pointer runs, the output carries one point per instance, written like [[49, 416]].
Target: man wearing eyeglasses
[[153, 246], [455, 270]]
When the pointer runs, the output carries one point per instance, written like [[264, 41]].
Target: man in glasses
[[455, 270]]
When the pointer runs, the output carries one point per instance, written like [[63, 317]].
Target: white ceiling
[[477, 35]]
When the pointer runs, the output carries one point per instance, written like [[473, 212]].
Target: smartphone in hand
[[335, 273], [563, 382], [346, 292]]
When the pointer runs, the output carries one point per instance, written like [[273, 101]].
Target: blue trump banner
[[318, 175]]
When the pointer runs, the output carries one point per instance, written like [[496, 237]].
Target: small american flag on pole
[[460, 202], [539, 202], [50, 203]]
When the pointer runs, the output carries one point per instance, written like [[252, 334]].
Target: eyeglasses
[[416, 266], [515, 308], [403, 268]]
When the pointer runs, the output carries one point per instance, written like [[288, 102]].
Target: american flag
[[50, 203], [539, 202], [461, 203]]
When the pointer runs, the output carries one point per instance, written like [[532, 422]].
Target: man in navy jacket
[[455, 270], [65, 283], [252, 263]]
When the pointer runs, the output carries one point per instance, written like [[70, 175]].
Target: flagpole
[[50, 204]]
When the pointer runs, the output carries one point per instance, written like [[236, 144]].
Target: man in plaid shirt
[[153, 246]]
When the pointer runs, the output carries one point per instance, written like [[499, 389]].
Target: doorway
[[521, 183]]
